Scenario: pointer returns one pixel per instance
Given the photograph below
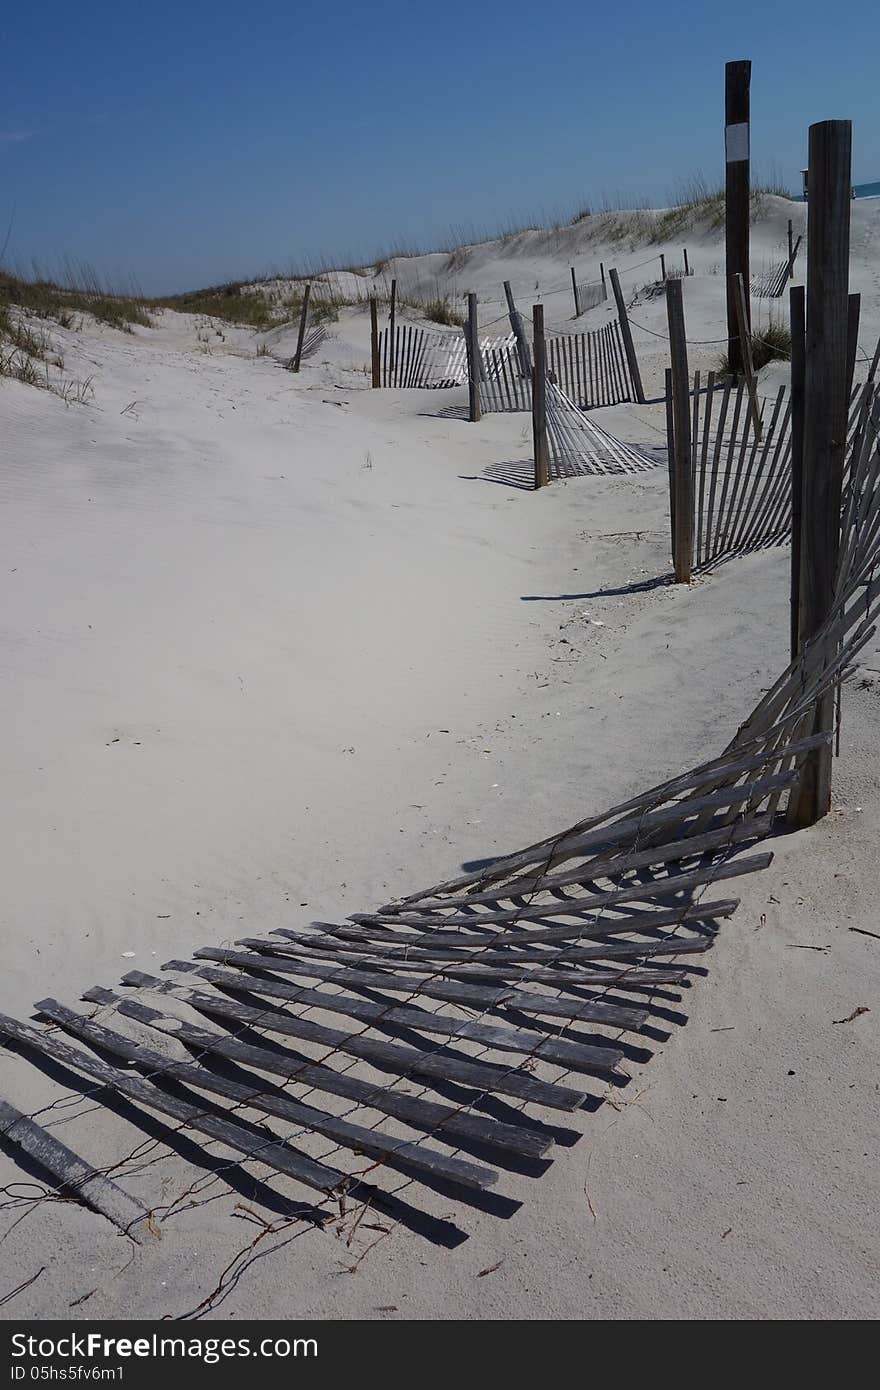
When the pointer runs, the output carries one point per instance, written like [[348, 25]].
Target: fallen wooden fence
[[579, 446], [482, 986]]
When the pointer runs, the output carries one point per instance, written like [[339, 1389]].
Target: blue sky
[[188, 143]]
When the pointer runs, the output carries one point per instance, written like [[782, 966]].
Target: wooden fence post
[[662, 266], [574, 287], [670, 459], [303, 315], [687, 268], [745, 342], [374, 343], [392, 344], [473, 361], [852, 341], [519, 332], [790, 246], [683, 480], [626, 334], [797, 311], [825, 420], [604, 286], [737, 79], [539, 399]]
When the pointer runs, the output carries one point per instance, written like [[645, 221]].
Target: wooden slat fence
[[590, 293], [591, 368], [503, 386], [771, 283], [426, 359], [742, 484]]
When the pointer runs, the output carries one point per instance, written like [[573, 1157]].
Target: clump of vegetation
[[28, 355], [580, 216], [441, 310], [771, 343]]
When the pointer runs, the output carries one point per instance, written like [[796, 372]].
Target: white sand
[[272, 649]]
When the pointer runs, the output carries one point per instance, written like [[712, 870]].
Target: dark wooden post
[[825, 419], [797, 312], [374, 343], [670, 458], [745, 341], [539, 399], [519, 332], [574, 288], [392, 344], [737, 79], [604, 286], [303, 315], [473, 360], [790, 247], [662, 266], [683, 551], [626, 334], [852, 341], [687, 268]]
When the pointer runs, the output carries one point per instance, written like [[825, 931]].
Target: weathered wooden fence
[[771, 283], [421, 358], [742, 489], [591, 368], [588, 294], [579, 446]]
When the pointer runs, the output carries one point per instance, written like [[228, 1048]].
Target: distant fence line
[[771, 283]]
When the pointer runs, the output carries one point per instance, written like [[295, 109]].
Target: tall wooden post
[[374, 343], [392, 336], [626, 334], [825, 419], [539, 399], [473, 360], [683, 480], [662, 266], [604, 286], [300, 338], [737, 79], [574, 289], [518, 329], [790, 247], [687, 268], [797, 313]]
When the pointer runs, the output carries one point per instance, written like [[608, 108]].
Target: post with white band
[[737, 80]]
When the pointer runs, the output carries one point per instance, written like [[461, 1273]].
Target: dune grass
[[82, 294], [771, 343], [251, 304]]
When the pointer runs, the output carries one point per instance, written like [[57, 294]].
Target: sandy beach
[[277, 648]]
